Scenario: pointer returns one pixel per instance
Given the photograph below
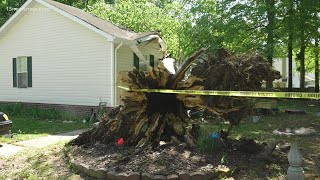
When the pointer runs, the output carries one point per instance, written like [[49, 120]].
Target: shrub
[[20, 110]]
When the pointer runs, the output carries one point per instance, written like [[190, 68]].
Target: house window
[[22, 72], [141, 65]]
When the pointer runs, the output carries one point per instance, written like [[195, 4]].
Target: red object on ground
[[120, 141]]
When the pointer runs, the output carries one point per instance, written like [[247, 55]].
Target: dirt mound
[[165, 159]]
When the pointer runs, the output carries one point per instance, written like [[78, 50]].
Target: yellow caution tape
[[265, 94], [5, 117]]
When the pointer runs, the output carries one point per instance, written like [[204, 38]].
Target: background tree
[[283, 28], [7, 9], [316, 65], [168, 17], [289, 25], [270, 28]]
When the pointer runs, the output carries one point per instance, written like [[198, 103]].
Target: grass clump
[[205, 142]]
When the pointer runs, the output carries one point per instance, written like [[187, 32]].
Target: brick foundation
[[79, 110]]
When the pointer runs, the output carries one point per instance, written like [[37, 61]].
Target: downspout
[[115, 73]]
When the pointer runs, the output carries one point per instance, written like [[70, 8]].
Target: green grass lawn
[[29, 122], [262, 131], [25, 128]]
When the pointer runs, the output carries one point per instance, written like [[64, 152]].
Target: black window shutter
[[152, 60], [29, 63], [135, 61], [14, 72]]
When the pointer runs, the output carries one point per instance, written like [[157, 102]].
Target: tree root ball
[[148, 118]]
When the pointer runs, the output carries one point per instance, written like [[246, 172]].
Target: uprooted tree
[[147, 118]]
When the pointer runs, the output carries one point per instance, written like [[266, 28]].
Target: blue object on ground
[[214, 135]]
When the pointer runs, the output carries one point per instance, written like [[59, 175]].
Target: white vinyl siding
[[125, 59], [71, 64]]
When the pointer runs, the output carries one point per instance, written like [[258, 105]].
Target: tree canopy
[[271, 28]]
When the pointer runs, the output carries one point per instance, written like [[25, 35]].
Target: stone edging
[[105, 174]]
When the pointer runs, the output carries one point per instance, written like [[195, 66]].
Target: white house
[[281, 64], [51, 53]]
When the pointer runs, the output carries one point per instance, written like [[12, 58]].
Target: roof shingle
[[99, 23]]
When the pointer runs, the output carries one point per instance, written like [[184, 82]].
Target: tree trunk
[[290, 44], [302, 65], [270, 35], [290, 61], [316, 70], [301, 54]]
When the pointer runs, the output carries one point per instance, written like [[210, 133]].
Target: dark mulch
[[169, 159]]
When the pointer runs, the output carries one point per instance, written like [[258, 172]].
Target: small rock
[[304, 131], [288, 130], [208, 167], [294, 111], [101, 173], [222, 170], [159, 177], [111, 175], [199, 176], [125, 176], [161, 143], [276, 132], [67, 121], [146, 176], [96, 124], [89, 171], [255, 119], [196, 158], [184, 176], [299, 131], [172, 177], [186, 154], [134, 175]]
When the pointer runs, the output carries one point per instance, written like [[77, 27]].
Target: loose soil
[[241, 159]]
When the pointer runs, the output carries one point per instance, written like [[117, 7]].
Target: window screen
[[22, 71]]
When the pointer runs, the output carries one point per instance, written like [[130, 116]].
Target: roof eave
[[149, 37]]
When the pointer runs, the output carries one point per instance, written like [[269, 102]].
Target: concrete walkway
[[9, 149]]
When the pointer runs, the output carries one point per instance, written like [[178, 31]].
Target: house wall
[[71, 64], [151, 47], [281, 64], [125, 59]]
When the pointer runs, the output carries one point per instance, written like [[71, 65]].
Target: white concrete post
[[295, 171]]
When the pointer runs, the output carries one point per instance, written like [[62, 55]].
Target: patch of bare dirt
[[169, 159], [46, 163]]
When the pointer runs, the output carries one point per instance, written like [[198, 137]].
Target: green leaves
[[146, 15]]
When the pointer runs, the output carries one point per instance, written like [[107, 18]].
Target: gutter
[[115, 73]]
